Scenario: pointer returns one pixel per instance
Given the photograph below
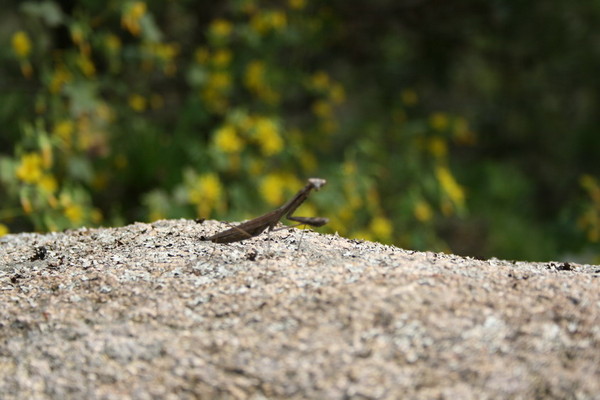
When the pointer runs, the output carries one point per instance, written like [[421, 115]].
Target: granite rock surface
[[148, 311]]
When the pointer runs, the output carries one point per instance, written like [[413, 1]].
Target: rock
[[150, 311]]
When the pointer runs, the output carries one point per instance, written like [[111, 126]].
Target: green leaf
[[48, 11], [83, 97]]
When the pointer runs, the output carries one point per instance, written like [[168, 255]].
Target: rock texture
[[148, 311]]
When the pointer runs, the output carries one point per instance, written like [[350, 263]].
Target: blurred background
[[469, 127]]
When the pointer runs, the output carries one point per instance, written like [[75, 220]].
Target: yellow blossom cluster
[[162, 53], [34, 170], [30, 169], [260, 130], [216, 91], [205, 192], [267, 135], [21, 45], [112, 43], [439, 121], [589, 220], [297, 4], [462, 133], [137, 102], [356, 202], [255, 79], [86, 132], [72, 210], [451, 188], [268, 21], [351, 193], [60, 76], [331, 94], [218, 80], [221, 28], [422, 211], [274, 187], [228, 140], [131, 16], [409, 97]]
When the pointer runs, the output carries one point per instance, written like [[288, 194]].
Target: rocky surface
[[147, 311]]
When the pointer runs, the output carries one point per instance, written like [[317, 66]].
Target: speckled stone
[[149, 311]]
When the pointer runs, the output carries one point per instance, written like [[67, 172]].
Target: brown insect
[[256, 226]]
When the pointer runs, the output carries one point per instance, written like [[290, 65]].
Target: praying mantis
[[256, 226]]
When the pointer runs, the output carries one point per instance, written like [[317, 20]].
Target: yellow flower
[[337, 94], [205, 193], [64, 130], [461, 131], [46, 151], [112, 42], [256, 167], [593, 235], [222, 58], [267, 135], [439, 121], [588, 182], [227, 139], [156, 215], [30, 168], [346, 213], [364, 235], [297, 4], [272, 188], [60, 76], [308, 162], [450, 186], [219, 80], [437, 146], [322, 109], [278, 20], [409, 97], [74, 213], [201, 55], [254, 80], [422, 211], [3, 230], [254, 76], [21, 44], [349, 168], [96, 216], [48, 183], [77, 34], [381, 227], [164, 51], [214, 100], [137, 102], [262, 23], [138, 9], [26, 204], [328, 126], [130, 19], [373, 198], [26, 69], [320, 81], [221, 28], [86, 65]]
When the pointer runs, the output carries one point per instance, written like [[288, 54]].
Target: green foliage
[[135, 110]]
